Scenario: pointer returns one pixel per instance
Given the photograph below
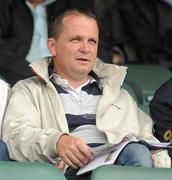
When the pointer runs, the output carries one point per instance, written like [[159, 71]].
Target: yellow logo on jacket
[[168, 135]]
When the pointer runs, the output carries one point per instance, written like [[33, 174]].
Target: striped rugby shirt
[[80, 107]]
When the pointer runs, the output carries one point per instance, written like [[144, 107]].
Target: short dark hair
[[56, 23]]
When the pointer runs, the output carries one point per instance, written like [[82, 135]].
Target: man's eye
[[94, 42], [75, 40]]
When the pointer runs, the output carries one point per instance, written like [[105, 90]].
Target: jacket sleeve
[[27, 136], [161, 111], [160, 159]]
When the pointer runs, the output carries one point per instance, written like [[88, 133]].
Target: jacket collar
[[109, 74]]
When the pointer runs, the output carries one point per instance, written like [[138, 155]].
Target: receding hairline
[[58, 24], [75, 15]]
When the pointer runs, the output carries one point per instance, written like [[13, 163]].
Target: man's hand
[[60, 165], [73, 151]]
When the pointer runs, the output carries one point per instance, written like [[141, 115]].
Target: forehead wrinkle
[[70, 21]]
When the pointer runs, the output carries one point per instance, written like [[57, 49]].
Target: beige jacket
[[35, 117]]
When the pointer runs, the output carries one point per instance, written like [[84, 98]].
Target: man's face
[[75, 50]]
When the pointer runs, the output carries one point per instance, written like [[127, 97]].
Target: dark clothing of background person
[[140, 30], [161, 113], [83, 4], [16, 30]]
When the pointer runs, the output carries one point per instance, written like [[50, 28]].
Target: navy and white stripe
[[80, 107]]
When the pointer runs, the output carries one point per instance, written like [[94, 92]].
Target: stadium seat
[[114, 172], [29, 171], [144, 108], [132, 90], [148, 78]]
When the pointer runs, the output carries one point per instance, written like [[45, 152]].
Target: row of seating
[[44, 171], [142, 80], [29, 171], [131, 173]]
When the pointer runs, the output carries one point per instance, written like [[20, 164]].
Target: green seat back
[[132, 92], [114, 172], [148, 78], [145, 108], [29, 171]]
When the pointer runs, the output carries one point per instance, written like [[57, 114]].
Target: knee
[[143, 156], [135, 154]]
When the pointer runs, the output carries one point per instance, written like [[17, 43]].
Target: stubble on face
[[76, 47]]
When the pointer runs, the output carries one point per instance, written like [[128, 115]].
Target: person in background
[[133, 31], [4, 96], [23, 34], [161, 113], [75, 104]]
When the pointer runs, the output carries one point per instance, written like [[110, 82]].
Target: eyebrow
[[81, 37]]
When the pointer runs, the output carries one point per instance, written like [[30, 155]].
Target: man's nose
[[85, 47]]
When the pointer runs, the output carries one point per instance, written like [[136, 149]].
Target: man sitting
[[72, 103]]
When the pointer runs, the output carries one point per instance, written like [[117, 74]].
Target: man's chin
[[82, 72]]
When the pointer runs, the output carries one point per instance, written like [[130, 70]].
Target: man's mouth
[[82, 59]]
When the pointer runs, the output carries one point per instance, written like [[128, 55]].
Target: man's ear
[[52, 46]]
